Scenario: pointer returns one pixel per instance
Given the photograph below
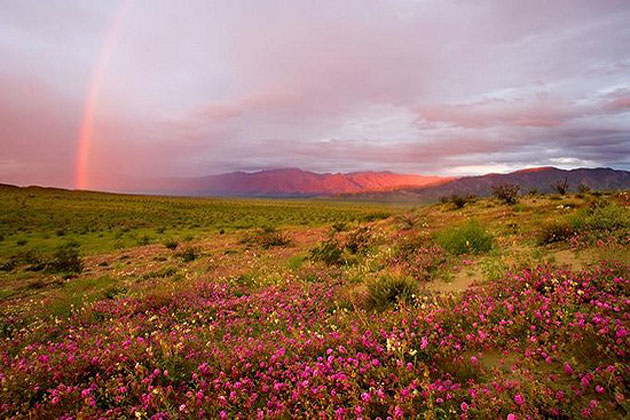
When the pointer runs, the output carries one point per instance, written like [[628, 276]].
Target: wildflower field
[[163, 308]]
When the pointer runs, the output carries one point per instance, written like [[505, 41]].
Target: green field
[[41, 219]]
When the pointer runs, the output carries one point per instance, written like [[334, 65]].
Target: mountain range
[[381, 186], [541, 179], [287, 182], [369, 185]]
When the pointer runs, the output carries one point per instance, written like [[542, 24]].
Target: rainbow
[[86, 128]]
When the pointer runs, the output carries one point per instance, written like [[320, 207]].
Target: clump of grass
[[518, 207], [508, 193], [358, 241], [188, 254], [469, 238], [584, 189], [558, 231], [389, 290], [459, 201], [144, 240], [494, 267], [329, 252], [296, 262], [66, 259], [407, 221], [171, 244], [339, 227], [162, 273], [267, 237], [9, 264], [373, 217]]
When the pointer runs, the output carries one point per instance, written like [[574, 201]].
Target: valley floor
[[314, 310]]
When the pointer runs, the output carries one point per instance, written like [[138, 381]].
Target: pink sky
[[171, 88]]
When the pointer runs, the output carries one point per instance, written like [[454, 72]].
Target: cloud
[[200, 88], [538, 111]]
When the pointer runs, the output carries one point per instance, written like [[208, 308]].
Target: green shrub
[[339, 227], [389, 290], [518, 207], [162, 273], [372, 217], [584, 189], [459, 201], [171, 244], [144, 240], [469, 238], [555, 232], [190, 253], [597, 218], [329, 252], [407, 221], [66, 259], [359, 240], [10, 264], [267, 237]]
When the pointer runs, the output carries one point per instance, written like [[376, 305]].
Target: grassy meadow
[[122, 306]]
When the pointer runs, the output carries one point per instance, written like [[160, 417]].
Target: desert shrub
[[407, 221], [459, 201], [508, 193], [419, 257], [584, 189], [553, 232], [374, 216], [339, 227], [389, 290], [9, 264], [144, 240], [21, 242], [561, 186], [532, 191], [602, 218], [358, 241], [160, 274], [445, 199], [329, 252], [266, 238], [66, 259], [114, 291], [171, 244], [188, 254], [469, 238], [518, 207]]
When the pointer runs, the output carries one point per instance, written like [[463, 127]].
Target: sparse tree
[[561, 186], [508, 193], [460, 201]]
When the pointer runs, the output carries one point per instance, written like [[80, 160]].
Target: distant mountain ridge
[[369, 185], [540, 179], [289, 182]]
